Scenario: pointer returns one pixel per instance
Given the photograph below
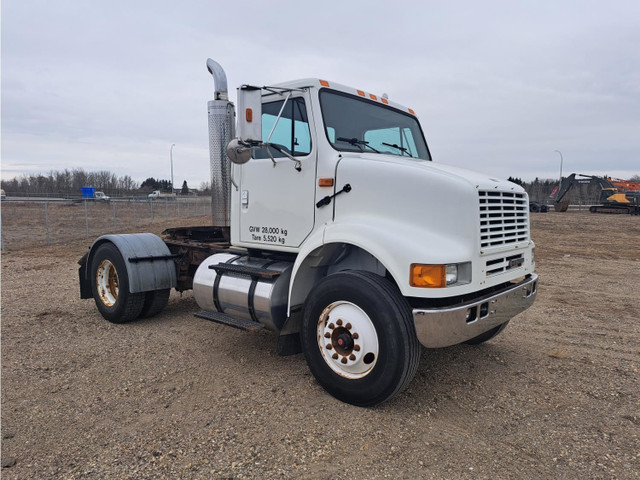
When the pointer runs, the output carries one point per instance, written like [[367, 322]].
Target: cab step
[[243, 270], [235, 322]]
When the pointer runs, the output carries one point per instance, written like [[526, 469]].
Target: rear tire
[[110, 286], [358, 338], [488, 335], [154, 302]]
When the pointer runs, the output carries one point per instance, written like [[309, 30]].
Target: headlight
[[451, 274], [439, 276]]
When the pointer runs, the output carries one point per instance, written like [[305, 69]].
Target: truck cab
[[403, 215], [102, 197], [333, 227]]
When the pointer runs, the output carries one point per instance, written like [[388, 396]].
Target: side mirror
[[249, 114], [237, 152]]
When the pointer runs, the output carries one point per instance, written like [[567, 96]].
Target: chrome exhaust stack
[[221, 114]]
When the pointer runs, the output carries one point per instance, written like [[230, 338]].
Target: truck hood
[[478, 180], [403, 212]]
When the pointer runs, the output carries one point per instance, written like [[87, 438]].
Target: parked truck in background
[[90, 193], [156, 194], [329, 229]]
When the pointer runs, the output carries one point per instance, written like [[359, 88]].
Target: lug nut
[[352, 357], [344, 360], [327, 335], [348, 326], [334, 356], [356, 336], [339, 322], [356, 348], [329, 346], [332, 326]]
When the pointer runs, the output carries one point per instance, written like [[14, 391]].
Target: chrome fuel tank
[[238, 288]]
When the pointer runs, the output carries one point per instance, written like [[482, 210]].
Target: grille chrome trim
[[504, 218]]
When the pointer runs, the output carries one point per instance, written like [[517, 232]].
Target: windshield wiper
[[357, 143], [402, 149]]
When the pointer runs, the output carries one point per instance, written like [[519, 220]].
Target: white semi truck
[[332, 227]]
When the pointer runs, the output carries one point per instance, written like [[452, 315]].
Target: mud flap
[[85, 284]]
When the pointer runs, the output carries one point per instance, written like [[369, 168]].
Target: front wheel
[[358, 338], [110, 286]]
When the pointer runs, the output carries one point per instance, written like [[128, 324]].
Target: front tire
[[358, 338], [110, 286]]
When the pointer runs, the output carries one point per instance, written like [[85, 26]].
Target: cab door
[[277, 201]]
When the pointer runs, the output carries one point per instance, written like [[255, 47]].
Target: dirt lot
[[554, 396]]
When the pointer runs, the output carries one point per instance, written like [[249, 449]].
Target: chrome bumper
[[442, 327]]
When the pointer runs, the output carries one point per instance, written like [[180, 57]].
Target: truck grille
[[501, 265], [504, 218]]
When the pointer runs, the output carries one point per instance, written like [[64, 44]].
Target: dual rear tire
[[110, 289]]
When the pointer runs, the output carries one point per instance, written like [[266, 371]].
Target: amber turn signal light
[[428, 276], [325, 182], [248, 114]]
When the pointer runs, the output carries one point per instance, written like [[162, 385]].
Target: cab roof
[[320, 84]]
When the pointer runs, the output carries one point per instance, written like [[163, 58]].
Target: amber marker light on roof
[[412, 112], [324, 83], [372, 96], [385, 101], [361, 93], [325, 182], [428, 276]]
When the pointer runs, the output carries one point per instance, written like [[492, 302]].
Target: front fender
[[398, 245]]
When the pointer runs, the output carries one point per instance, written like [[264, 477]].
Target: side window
[[384, 139], [291, 133]]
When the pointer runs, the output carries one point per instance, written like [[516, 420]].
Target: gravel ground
[[554, 396]]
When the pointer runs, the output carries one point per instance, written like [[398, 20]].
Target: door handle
[[327, 200]]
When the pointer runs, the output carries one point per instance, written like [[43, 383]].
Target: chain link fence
[[32, 223]]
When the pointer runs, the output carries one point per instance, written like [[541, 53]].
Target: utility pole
[[171, 156]]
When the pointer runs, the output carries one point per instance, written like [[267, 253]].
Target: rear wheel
[[154, 302], [110, 286], [488, 335], [358, 337]]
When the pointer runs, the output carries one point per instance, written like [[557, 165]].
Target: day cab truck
[[330, 228]]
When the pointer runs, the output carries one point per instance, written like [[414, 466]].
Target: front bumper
[[442, 327]]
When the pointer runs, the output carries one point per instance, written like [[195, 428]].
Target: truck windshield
[[359, 125]]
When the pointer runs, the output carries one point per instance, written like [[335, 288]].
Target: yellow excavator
[[614, 197]]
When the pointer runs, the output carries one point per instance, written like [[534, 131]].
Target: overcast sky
[[497, 85]]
